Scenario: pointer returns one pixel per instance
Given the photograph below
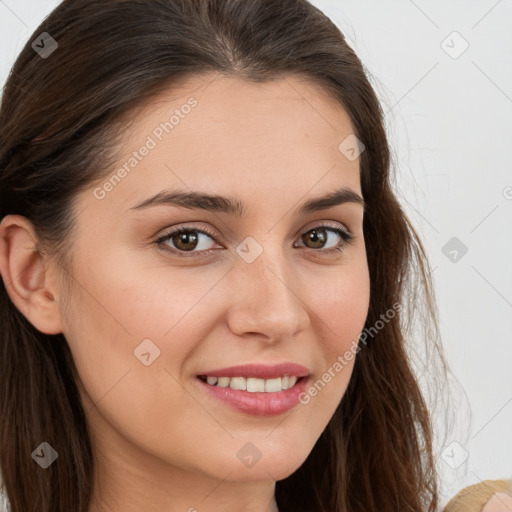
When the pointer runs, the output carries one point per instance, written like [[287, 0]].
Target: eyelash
[[344, 235]]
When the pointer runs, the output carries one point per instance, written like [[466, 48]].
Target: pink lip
[[258, 404], [260, 371]]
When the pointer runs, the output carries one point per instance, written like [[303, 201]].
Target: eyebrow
[[233, 206]]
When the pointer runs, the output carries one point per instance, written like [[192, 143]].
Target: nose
[[266, 298]]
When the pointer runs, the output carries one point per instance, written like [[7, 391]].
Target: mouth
[[254, 396], [252, 384], [254, 388]]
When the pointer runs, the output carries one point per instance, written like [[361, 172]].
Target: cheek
[[122, 301], [119, 306], [338, 306], [145, 405]]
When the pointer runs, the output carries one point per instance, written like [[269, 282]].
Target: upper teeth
[[252, 384]]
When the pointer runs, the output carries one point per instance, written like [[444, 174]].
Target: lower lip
[[258, 404]]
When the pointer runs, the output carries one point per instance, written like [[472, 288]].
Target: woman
[[205, 271]]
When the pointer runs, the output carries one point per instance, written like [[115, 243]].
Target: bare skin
[[161, 442]]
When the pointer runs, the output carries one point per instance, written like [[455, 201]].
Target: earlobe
[[25, 275]]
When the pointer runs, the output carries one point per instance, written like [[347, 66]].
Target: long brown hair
[[58, 123]]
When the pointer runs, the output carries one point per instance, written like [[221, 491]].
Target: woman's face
[[260, 287]]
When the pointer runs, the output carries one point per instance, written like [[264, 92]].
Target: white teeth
[[273, 385], [253, 385], [238, 383], [223, 382]]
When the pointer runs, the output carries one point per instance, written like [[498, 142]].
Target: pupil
[[317, 237], [186, 238]]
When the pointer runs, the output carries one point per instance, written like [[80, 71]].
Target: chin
[[279, 464], [261, 472]]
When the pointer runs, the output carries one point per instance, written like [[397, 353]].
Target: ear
[[25, 275]]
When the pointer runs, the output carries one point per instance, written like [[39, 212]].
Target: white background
[[450, 125]]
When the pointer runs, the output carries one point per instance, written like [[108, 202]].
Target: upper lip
[[260, 371]]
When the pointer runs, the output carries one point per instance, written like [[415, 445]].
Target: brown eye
[[318, 237], [185, 240]]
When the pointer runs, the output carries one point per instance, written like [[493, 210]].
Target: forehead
[[214, 133]]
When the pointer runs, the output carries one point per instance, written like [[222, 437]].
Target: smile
[[252, 384], [254, 396]]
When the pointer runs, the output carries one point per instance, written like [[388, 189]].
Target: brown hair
[[57, 135]]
